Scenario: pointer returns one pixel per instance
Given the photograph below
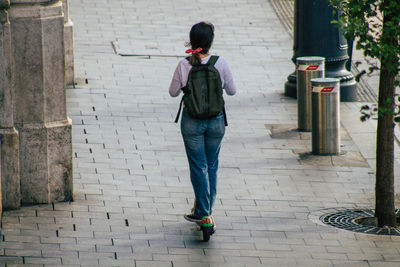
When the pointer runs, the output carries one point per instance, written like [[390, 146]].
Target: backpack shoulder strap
[[179, 111], [212, 60]]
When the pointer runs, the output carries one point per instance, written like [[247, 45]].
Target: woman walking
[[202, 133]]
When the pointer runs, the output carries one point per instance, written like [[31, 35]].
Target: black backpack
[[202, 94]]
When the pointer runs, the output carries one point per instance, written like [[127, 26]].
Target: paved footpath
[[130, 172]]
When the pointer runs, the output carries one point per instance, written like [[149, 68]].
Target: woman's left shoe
[[192, 218]]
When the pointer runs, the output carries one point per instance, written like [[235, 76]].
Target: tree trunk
[[384, 189]]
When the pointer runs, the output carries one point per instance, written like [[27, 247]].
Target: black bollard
[[315, 35]]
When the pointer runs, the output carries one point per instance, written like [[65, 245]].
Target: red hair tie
[[196, 51]]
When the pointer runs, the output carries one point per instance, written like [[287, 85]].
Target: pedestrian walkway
[[131, 180]]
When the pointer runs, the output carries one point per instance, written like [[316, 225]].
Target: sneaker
[[192, 218]]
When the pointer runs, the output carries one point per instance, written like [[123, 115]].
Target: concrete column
[[38, 64], [68, 45], [9, 147]]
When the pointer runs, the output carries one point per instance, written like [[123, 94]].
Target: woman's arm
[[226, 74], [176, 85]]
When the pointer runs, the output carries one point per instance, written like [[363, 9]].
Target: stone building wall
[[36, 144]]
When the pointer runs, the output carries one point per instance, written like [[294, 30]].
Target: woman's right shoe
[[207, 226]]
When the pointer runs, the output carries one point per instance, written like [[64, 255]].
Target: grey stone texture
[[36, 132], [40, 102], [10, 174], [9, 147], [68, 45], [46, 162], [39, 67], [69, 53], [6, 110], [131, 179]]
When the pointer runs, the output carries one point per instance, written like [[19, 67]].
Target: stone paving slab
[[131, 184]]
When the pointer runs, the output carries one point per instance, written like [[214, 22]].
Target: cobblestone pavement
[[130, 172]]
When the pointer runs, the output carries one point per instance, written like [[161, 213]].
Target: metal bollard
[[325, 116], [307, 69]]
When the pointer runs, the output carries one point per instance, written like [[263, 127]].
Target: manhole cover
[[356, 220]]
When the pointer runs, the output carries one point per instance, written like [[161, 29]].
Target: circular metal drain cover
[[356, 220]]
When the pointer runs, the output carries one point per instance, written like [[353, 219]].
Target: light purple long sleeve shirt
[[181, 74]]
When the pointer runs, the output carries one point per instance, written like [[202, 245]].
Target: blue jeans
[[202, 140]]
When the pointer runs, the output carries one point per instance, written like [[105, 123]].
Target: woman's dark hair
[[201, 35]]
